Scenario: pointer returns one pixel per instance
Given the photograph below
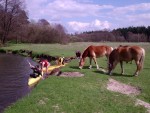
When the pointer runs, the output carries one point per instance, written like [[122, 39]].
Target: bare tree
[[43, 22], [12, 16], [61, 34]]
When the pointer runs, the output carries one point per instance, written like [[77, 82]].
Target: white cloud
[[131, 15], [131, 8], [35, 8], [64, 8], [94, 25], [77, 12], [72, 8], [138, 19]]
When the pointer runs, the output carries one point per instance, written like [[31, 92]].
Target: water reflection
[[14, 73]]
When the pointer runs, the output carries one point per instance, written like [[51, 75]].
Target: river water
[[14, 73]]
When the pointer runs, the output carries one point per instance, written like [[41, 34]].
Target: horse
[[94, 52], [126, 53], [78, 54]]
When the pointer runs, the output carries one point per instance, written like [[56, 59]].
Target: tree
[[43, 22], [148, 33], [12, 17], [61, 34]]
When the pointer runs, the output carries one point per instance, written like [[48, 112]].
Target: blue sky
[[90, 15]]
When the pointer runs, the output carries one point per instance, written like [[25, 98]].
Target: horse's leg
[[94, 58], [96, 62], [90, 62], [113, 67], [122, 69], [138, 68]]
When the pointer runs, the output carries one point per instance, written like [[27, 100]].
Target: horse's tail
[[141, 61]]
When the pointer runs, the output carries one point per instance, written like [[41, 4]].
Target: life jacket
[[44, 63]]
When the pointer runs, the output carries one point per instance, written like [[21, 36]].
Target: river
[[14, 74]]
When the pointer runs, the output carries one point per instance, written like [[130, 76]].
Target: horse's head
[[81, 63], [112, 61]]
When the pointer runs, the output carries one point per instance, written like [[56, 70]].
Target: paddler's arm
[[31, 66]]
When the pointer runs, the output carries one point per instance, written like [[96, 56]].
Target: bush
[[2, 51]]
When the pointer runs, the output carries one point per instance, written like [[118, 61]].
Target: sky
[[90, 15]]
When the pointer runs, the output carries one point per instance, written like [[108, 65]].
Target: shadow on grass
[[125, 75], [77, 67], [100, 72], [114, 74], [146, 68], [74, 67]]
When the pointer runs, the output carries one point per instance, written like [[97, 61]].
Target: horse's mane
[[85, 53]]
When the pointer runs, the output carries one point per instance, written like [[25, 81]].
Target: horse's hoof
[[103, 70], [43, 78], [97, 68], [80, 67], [136, 75], [109, 73]]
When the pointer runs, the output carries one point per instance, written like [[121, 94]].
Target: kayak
[[34, 81], [50, 68]]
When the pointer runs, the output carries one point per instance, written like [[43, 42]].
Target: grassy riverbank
[[86, 94]]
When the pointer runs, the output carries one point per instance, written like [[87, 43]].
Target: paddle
[[29, 63]]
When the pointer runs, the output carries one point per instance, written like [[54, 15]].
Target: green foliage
[[2, 51], [128, 34], [15, 51]]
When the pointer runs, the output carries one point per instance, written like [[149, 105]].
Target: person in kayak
[[37, 70], [44, 64]]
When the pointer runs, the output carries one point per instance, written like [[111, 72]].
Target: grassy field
[[86, 94]]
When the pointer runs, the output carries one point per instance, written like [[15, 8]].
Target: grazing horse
[[94, 52], [78, 54], [126, 53]]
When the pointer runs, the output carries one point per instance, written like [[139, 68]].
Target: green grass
[[87, 94]]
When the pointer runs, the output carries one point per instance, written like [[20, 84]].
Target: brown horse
[[126, 53], [94, 52]]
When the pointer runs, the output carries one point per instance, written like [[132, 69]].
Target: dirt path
[[117, 86], [144, 104]]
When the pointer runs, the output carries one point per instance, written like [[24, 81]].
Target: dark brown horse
[[78, 54], [126, 53], [94, 52]]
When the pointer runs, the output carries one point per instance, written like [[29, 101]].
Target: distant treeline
[[16, 27], [130, 34]]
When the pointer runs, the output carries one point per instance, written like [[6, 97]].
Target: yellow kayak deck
[[50, 68], [34, 81]]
